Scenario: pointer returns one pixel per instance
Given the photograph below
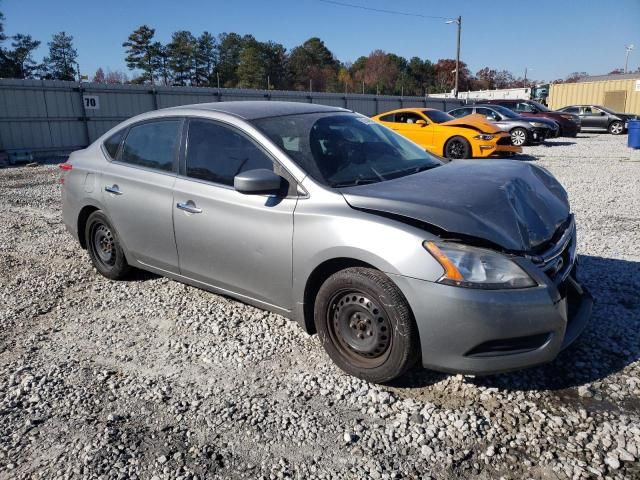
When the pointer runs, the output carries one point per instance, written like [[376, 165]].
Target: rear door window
[[388, 118], [152, 145]]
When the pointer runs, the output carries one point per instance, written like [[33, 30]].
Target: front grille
[[505, 141], [558, 260]]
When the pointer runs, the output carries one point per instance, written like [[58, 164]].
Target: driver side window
[[408, 117], [217, 153]]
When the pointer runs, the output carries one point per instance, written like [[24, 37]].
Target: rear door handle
[[113, 189], [189, 207]]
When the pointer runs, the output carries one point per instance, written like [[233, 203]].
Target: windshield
[[540, 106], [436, 116], [345, 149], [504, 111]]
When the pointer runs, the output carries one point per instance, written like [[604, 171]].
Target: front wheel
[[457, 148], [518, 137], [365, 325], [616, 128]]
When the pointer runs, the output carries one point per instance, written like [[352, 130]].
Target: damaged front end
[[506, 241]]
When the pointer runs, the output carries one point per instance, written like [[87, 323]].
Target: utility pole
[[525, 77], [628, 49], [458, 22]]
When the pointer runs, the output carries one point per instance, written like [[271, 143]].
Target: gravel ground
[[153, 379]]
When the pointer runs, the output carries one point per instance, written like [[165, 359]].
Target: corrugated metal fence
[[45, 116]]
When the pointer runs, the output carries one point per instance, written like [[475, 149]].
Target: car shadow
[[138, 275], [525, 157], [610, 342], [556, 144]]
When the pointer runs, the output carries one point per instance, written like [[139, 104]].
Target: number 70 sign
[[91, 102]]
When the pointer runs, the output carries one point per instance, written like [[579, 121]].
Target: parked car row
[[497, 127]]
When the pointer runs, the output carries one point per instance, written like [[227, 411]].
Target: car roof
[[409, 109], [254, 109]]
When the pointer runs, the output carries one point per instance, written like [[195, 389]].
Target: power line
[[381, 10]]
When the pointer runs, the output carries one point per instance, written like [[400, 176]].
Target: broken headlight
[[472, 267]]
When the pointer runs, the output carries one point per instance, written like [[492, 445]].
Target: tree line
[[241, 61]]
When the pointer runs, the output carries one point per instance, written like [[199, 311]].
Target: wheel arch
[[83, 216], [315, 280]]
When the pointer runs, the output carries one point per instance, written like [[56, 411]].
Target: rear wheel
[[616, 128], [457, 148], [366, 325], [518, 136], [104, 247]]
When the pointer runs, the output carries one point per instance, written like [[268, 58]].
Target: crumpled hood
[[517, 206], [475, 121]]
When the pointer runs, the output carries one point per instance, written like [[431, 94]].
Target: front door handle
[[113, 189], [189, 207]]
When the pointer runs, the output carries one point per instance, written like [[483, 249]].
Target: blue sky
[[550, 38]]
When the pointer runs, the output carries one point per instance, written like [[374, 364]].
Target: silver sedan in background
[[523, 130], [329, 218]]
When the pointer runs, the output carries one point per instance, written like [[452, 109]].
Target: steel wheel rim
[[616, 128], [455, 149], [518, 138], [103, 244], [359, 328]]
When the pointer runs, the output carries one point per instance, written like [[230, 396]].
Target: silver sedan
[[328, 218]]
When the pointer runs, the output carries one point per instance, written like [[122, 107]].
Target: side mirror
[[259, 181], [602, 114], [422, 123]]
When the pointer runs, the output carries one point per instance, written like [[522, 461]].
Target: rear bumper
[[483, 332]]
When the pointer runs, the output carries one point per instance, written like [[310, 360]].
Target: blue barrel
[[633, 138]]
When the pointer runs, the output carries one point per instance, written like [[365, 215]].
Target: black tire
[[104, 247], [365, 325], [616, 128], [457, 148], [519, 137]]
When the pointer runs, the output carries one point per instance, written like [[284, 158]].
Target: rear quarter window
[[112, 144]]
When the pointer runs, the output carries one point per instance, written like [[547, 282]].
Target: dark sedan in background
[[569, 122], [599, 117], [523, 130]]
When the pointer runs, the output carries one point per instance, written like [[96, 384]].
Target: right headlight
[[537, 124], [472, 267]]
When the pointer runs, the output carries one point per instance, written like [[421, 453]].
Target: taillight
[[65, 167]]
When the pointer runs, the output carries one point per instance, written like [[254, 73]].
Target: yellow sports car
[[447, 136]]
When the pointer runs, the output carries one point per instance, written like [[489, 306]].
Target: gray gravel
[[153, 379]]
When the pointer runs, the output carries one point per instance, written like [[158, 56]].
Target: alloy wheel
[[518, 137], [455, 149], [616, 128]]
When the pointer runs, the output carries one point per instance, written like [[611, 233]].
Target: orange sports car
[[447, 136]]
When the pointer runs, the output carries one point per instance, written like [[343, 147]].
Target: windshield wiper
[[356, 182]]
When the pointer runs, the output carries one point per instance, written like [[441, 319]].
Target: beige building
[[620, 93]]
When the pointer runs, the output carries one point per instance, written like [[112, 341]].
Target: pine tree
[[205, 59], [23, 48], [181, 51], [61, 62], [142, 53]]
